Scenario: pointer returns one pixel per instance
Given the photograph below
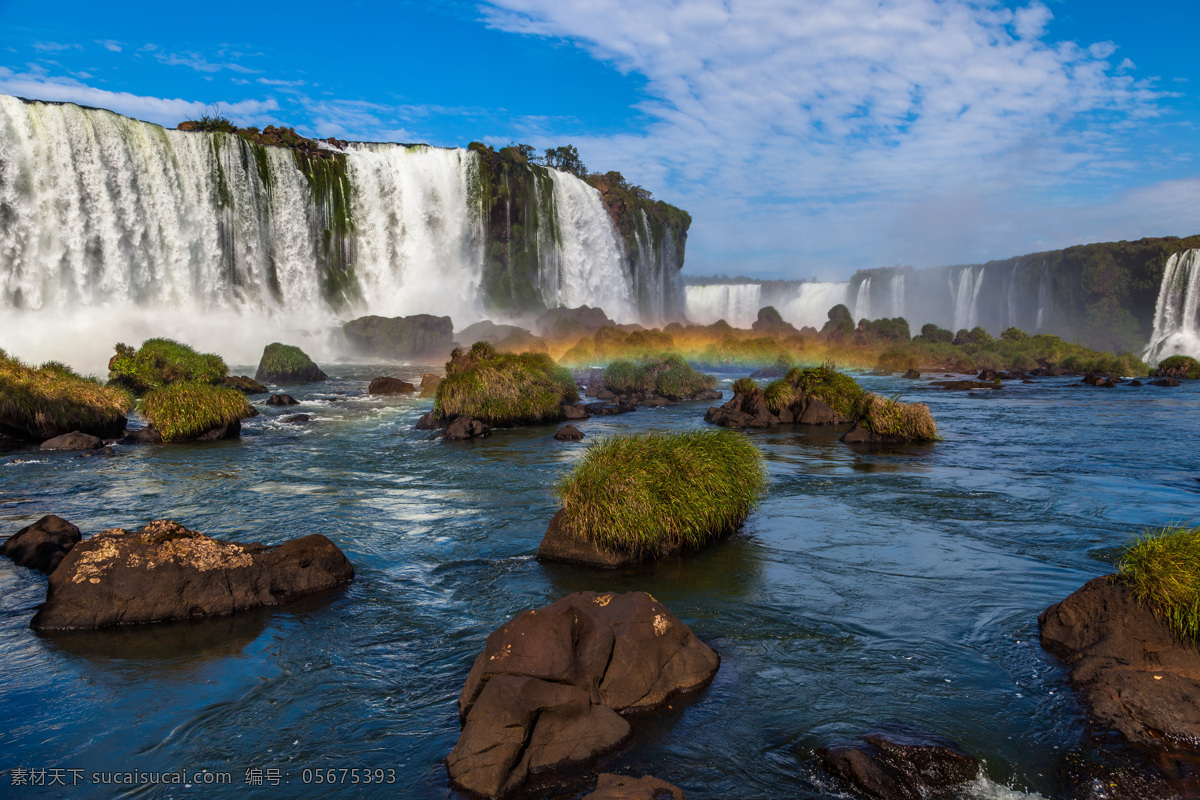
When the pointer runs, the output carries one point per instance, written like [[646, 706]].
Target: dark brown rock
[[390, 386], [559, 544], [912, 374], [818, 412], [574, 412], [229, 430], [401, 338], [73, 441], [465, 428], [899, 762], [429, 421], [548, 690], [569, 433], [1165, 382], [297, 419], [429, 384], [42, 545], [146, 435], [625, 787], [165, 572], [282, 400], [606, 410], [244, 384]]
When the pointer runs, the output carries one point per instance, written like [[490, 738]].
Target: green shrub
[[897, 359], [780, 395], [677, 380], [1014, 334], [840, 391], [506, 389], [52, 399], [744, 386], [160, 362], [1162, 570], [653, 493], [626, 377], [1189, 366], [887, 416], [183, 411]]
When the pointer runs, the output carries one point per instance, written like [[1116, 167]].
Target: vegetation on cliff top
[[504, 389], [653, 493], [159, 362], [1162, 570], [43, 402], [183, 411]]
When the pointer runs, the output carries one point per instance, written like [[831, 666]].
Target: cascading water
[[1043, 312], [1177, 312], [116, 230], [736, 303], [862, 300], [897, 287], [812, 303], [964, 288]]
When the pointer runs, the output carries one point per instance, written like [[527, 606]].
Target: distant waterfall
[[898, 295], [116, 229], [1177, 312], [736, 303], [964, 288], [862, 301], [812, 304], [1043, 312]]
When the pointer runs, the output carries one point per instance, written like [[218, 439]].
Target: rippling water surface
[[869, 587]]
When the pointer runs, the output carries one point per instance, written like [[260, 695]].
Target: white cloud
[[164, 111], [54, 47], [109, 44], [272, 82], [805, 134], [198, 62]]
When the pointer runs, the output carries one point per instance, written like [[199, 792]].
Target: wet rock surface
[[390, 386], [166, 572], [559, 544], [568, 433], [244, 384], [901, 762], [624, 787], [282, 400], [548, 691], [73, 441], [465, 428], [42, 545]]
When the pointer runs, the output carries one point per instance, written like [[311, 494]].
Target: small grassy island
[[1162, 570], [285, 363], [159, 362], [50, 400], [668, 376], [639, 497]]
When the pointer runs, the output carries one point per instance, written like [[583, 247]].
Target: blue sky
[[806, 137]]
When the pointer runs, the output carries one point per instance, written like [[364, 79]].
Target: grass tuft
[[183, 411], [744, 386], [159, 362], [506, 389], [887, 416], [46, 401], [1162, 570], [653, 493], [840, 391], [626, 377], [678, 380], [780, 395]]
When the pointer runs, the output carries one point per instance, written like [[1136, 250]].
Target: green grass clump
[[887, 416], [840, 391], [744, 386], [897, 359], [183, 411], [653, 493], [678, 380], [780, 395], [160, 362], [43, 402], [506, 389], [1162, 570], [1189, 366], [626, 377]]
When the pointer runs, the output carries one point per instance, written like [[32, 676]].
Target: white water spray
[[736, 303], [1177, 312]]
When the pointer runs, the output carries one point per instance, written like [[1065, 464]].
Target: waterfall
[[113, 229], [898, 295], [1043, 312], [1177, 312], [964, 288], [736, 303], [812, 304]]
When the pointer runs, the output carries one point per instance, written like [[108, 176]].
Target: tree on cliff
[[566, 158]]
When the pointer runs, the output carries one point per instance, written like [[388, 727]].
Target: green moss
[[39, 403], [159, 362], [1189, 366], [504, 389], [1162, 570], [183, 411], [840, 391], [654, 493], [286, 362]]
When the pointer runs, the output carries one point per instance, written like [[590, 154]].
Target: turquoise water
[[899, 585]]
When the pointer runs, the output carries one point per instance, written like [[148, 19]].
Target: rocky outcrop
[[463, 428], [42, 545], [743, 411], [1171, 382], [421, 336], [166, 572], [282, 400], [505, 338], [285, 363], [429, 384], [771, 323], [390, 386], [624, 787], [899, 762], [548, 691], [571, 323], [244, 384], [146, 435], [568, 433], [73, 441], [912, 375], [574, 411], [1131, 675]]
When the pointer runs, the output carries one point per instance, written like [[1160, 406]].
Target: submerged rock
[[165, 572], [390, 386], [900, 762], [297, 419], [464, 428], [42, 545], [548, 691], [568, 433], [73, 441], [625, 787], [1168, 381], [912, 374], [146, 435]]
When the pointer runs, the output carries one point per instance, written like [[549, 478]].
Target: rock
[[568, 433], [429, 384], [768, 372], [100, 452], [548, 691], [860, 434], [1131, 675], [73, 441], [146, 435], [505, 338], [284, 363], [464, 428], [229, 430], [1165, 382], [558, 544], [963, 385], [1092, 379], [390, 386], [606, 410], [912, 374], [818, 412], [1134, 382], [575, 412], [624, 787], [571, 323], [429, 421], [166, 572], [42, 545], [605, 394], [899, 762], [282, 400], [296, 419], [709, 394], [244, 384], [421, 336]]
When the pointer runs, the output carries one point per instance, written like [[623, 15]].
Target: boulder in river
[[912, 375], [285, 363], [282, 400], [73, 441], [626, 787], [568, 433], [42, 545], [548, 691], [390, 386], [244, 384], [574, 411], [1168, 381], [464, 428], [166, 572], [900, 762]]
